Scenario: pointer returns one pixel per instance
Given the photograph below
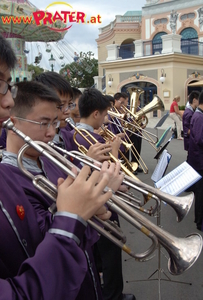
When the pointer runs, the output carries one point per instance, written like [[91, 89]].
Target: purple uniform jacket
[[3, 139], [41, 203], [112, 127], [48, 269], [188, 113], [69, 145], [195, 152], [68, 127], [83, 142]]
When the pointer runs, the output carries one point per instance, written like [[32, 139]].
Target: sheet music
[[161, 166], [178, 180]]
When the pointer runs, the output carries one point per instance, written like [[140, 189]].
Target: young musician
[[195, 154], [187, 115], [33, 272], [36, 106], [63, 138], [93, 107]]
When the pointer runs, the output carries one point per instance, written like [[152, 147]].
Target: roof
[[133, 13]]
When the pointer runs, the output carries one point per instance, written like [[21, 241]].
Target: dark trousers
[[198, 190], [109, 262], [137, 142]]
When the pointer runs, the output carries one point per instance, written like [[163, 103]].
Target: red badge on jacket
[[20, 211]]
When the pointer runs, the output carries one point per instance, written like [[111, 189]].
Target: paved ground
[[133, 270]]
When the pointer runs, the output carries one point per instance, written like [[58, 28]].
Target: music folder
[[161, 166], [178, 180]]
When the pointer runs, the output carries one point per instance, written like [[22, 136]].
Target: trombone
[[183, 252], [133, 149]]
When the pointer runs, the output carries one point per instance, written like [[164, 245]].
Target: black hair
[[119, 95], [76, 93], [110, 98], [55, 81], [201, 98], [193, 94], [30, 93], [7, 55], [92, 100], [125, 95]]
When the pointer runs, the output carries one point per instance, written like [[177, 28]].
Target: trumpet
[[132, 166], [92, 140], [183, 252]]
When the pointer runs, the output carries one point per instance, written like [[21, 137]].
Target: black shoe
[[128, 297], [139, 170], [135, 172]]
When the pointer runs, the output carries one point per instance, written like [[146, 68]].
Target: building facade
[[159, 49]]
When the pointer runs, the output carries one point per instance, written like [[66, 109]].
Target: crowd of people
[[58, 254], [189, 122], [55, 250]]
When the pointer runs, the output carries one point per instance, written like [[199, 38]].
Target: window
[[160, 21], [187, 16], [157, 42]]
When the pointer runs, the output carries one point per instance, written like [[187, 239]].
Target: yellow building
[[159, 49]]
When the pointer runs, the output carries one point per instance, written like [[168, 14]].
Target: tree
[[81, 71], [35, 70]]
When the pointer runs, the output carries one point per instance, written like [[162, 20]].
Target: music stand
[[159, 270], [162, 149], [161, 122]]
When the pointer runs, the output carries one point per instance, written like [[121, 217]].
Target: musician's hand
[[115, 176], [124, 188], [103, 213], [84, 195], [99, 151], [121, 135], [115, 145], [98, 131]]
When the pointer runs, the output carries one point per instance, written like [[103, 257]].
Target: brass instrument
[[133, 149], [183, 252], [107, 134], [136, 119], [135, 93], [125, 197], [88, 137]]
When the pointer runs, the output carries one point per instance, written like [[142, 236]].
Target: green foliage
[[81, 71], [35, 70], [181, 107]]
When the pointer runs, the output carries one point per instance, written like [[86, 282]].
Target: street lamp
[[52, 62]]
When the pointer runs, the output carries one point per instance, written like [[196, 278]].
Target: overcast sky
[[81, 37]]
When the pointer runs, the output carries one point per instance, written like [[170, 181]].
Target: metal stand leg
[[159, 270]]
